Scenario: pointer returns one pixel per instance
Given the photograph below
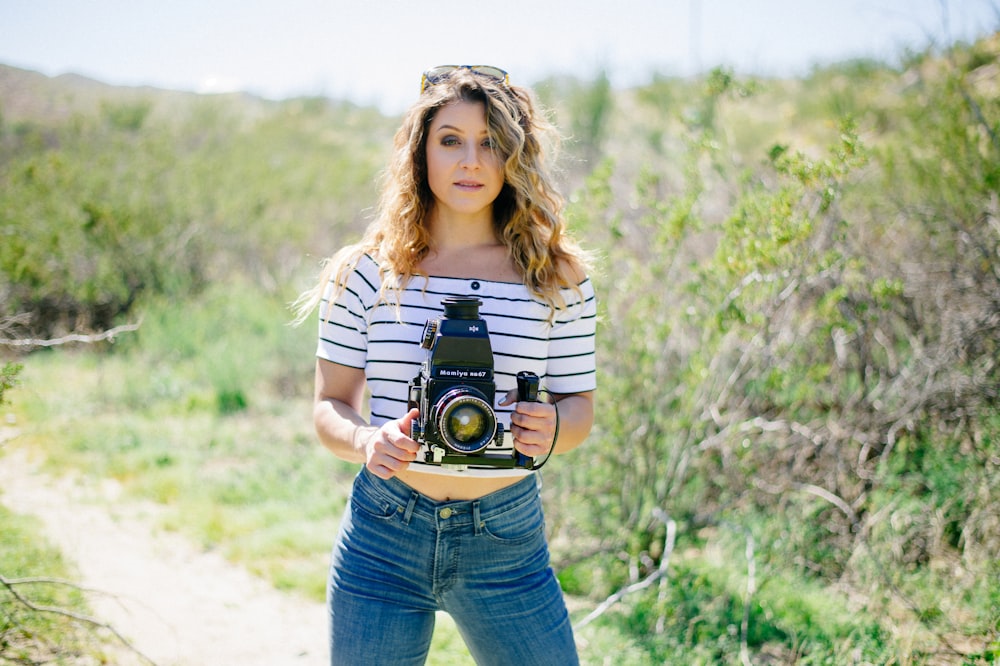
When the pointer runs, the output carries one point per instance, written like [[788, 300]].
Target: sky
[[373, 51]]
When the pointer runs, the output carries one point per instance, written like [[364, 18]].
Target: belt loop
[[477, 523], [409, 508]]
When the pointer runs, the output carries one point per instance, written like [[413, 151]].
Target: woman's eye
[[450, 141], [489, 143]]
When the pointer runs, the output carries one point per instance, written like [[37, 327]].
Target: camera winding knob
[[430, 332]]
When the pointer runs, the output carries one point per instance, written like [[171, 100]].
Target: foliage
[[101, 211], [583, 110], [8, 378], [816, 360], [800, 318]]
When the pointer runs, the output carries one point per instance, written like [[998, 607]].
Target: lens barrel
[[466, 421]]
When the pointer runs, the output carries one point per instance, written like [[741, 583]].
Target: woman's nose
[[471, 157]]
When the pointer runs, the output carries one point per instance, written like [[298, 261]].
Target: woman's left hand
[[533, 425]]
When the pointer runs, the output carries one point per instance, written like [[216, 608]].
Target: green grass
[[252, 482], [28, 636], [255, 485], [699, 620]]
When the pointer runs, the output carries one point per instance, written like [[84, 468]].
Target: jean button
[[445, 513]]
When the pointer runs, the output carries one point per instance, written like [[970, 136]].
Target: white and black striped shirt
[[360, 331]]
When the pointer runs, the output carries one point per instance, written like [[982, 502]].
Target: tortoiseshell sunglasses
[[441, 72]]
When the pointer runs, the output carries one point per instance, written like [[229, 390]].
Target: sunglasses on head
[[438, 74]]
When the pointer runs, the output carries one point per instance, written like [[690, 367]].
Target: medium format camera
[[454, 392]]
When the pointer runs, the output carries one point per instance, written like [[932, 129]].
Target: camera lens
[[466, 421]]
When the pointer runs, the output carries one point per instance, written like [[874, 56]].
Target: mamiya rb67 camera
[[455, 390]]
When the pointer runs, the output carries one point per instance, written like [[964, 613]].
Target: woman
[[468, 209]]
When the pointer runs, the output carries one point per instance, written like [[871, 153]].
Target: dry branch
[[12, 583], [73, 337], [660, 573]]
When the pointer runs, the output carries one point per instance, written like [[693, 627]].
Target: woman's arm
[[339, 399]]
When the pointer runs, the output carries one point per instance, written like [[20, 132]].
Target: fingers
[[533, 425], [510, 398], [390, 449]]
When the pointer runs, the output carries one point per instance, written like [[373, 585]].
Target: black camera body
[[455, 390]]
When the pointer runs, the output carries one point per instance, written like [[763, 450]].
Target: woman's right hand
[[389, 449]]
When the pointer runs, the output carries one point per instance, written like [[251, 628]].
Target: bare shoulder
[[571, 271]]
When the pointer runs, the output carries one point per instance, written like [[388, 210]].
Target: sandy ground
[[177, 604]]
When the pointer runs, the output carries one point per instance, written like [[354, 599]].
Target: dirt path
[[179, 605]]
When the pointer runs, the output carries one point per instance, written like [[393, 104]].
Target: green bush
[[797, 371], [100, 212]]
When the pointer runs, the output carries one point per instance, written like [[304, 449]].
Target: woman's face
[[463, 170]]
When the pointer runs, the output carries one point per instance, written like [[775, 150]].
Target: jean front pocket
[[368, 501], [519, 525]]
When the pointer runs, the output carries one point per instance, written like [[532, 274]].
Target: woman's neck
[[489, 261], [456, 232], [467, 247]]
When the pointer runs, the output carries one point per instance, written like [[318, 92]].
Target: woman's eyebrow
[[452, 128]]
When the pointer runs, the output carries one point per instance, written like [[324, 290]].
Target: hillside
[[34, 97]]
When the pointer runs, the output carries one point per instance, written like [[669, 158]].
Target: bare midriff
[[443, 487]]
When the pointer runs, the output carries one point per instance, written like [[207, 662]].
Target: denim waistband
[[452, 513]]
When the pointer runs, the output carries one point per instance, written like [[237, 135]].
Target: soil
[[176, 603]]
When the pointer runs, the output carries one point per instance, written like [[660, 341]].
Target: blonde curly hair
[[527, 214]]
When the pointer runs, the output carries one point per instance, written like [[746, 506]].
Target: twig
[[764, 426], [751, 589], [833, 499], [11, 584], [42, 580], [661, 572], [668, 548], [812, 489], [73, 337]]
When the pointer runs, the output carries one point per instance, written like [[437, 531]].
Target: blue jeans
[[401, 556]]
